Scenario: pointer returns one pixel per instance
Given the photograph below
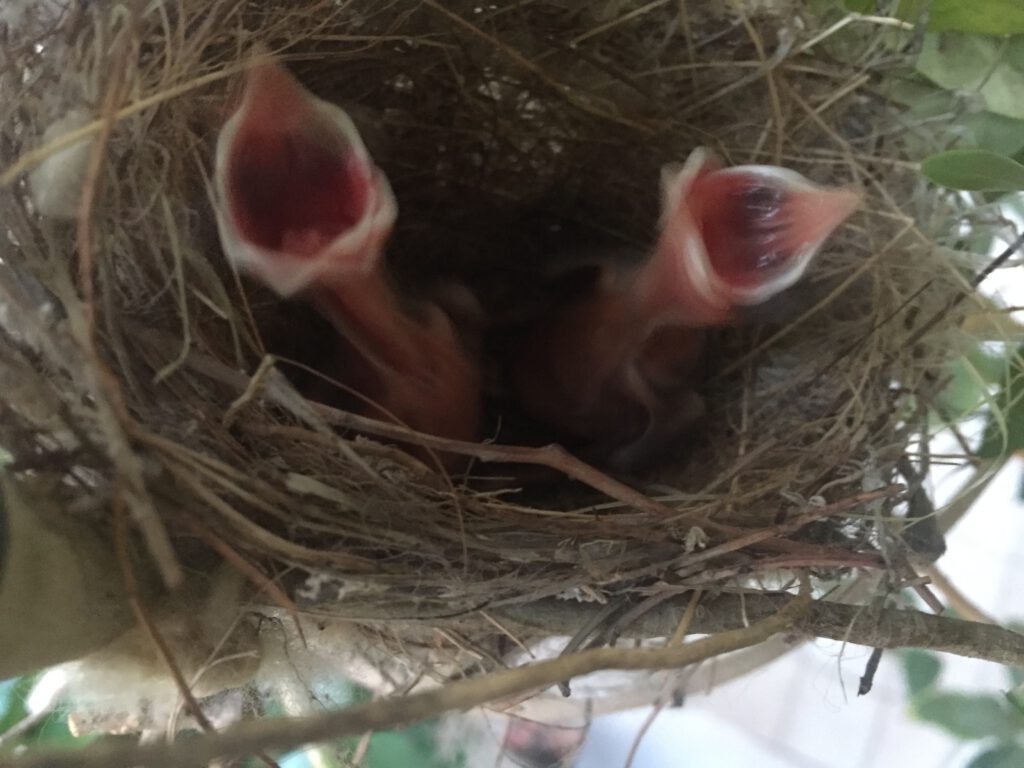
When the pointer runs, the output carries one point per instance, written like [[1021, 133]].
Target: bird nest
[[153, 385]]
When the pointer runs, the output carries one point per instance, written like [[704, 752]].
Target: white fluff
[[55, 185]]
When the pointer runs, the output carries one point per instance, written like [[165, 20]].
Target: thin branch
[[287, 733], [656, 710], [962, 295], [882, 628], [551, 456], [671, 681]]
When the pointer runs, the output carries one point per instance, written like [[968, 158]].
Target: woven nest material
[[515, 135]]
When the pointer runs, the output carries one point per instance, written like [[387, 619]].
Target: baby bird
[[302, 207], [615, 371]]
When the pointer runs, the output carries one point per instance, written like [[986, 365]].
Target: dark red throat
[[744, 221], [295, 187]]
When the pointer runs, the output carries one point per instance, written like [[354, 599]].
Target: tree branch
[[288, 733], [884, 628]]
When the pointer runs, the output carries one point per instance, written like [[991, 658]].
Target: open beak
[[299, 198], [303, 208], [741, 235], [616, 370]]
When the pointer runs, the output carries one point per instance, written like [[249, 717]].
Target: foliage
[[1004, 433], [978, 170], [983, 17], [995, 722], [51, 730], [972, 62], [993, 68]]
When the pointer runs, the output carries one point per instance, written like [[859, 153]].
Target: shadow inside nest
[[536, 265]]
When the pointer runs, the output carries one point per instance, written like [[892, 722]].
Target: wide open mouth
[[296, 178], [760, 226], [747, 227], [295, 188]]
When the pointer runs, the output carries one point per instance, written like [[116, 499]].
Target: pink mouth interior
[[294, 188], [748, 227]]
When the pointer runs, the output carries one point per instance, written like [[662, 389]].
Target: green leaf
[[54, 732], [988, 130], [911, 10], [992, 368], [921, 670], [859, 6], [411, 746], [13, 694], [981, 17], [1016, 698], [974, 130], [1003, 756], [964, 394], [990, 67], [975, 170], [1004, 431], [969, 716]]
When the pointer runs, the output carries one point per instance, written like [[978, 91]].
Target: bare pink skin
[[423, 377], [617, 370], [304, 209], [603, 377]]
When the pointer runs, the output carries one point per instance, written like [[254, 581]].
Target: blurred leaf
[[296, 760], [859, 6], [992, 368], [973, 126], [998, 133], [917, 93], [964, 394], [411, 746], [1016, 697], [13, 694], [921, 670], [991, 67], [911, 10], [391, 750], [982, 17], [53, 732], [974, 169], [6, 689], [1003, 756], [969, 716], [1004, 431]]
